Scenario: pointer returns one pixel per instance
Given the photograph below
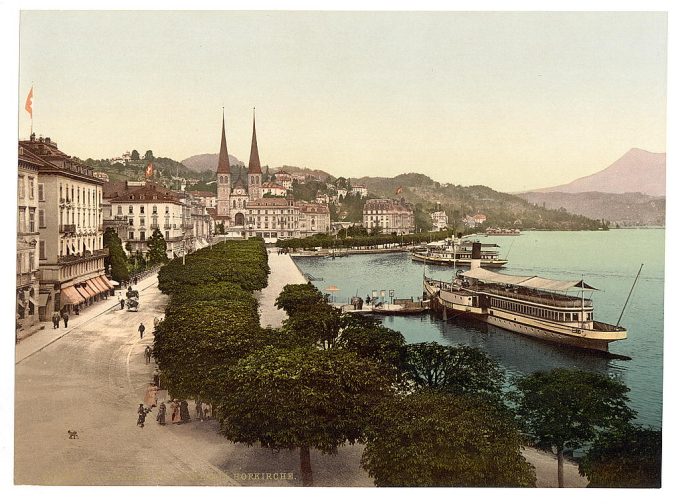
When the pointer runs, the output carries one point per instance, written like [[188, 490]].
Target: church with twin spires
[[246, 207], [232, 197]]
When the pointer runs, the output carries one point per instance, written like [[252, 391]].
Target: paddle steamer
[[457, 252], [529, 305]]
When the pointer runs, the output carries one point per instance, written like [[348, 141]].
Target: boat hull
[[450, 305]]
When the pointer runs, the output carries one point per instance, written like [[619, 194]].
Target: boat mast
[[629, 294]]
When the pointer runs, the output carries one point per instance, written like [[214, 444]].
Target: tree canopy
[[134, 155], [157, 248], [565, 408], [430, 439], [117, 259], [624, 458], [300, 398]]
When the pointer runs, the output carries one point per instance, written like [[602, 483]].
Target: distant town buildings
[[391, 216], [284, 179], [360, 190], [273, 189], [439, 220], [60, 210], [474, 220], [123, 159], [101, 176]]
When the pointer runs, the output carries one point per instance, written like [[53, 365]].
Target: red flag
[[399, 190], [29, 102], [149, 170]]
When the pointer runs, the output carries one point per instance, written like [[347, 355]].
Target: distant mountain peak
[[208, 162], [637, 170]]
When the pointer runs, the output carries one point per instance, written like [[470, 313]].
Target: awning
[[113, 283], [107, 283], [43, 298], [100, 285], [69, 295], [531, 282], [89, 284], [84, 292]]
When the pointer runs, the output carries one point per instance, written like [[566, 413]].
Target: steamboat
[[457, 252], [530, 305]]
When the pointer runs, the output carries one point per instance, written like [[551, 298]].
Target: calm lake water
[[607, 260]]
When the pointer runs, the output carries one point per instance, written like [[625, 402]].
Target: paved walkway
[[283, 272]]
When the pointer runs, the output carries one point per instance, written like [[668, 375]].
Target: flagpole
[[32, 95]]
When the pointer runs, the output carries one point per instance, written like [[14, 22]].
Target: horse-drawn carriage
[[132, 299]]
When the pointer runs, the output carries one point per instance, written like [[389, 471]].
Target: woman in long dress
[[160, 417], [174, 412]]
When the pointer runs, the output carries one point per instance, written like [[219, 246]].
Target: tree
[[431, 439], [157, 248], [134, 155], [298, 298], [149, 155], [624, 458], [564, 408], [116, 261], [288, 398], [454, 369]]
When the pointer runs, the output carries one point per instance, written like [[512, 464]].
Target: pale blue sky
[[510, 100]]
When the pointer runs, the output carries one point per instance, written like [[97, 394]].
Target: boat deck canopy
[[531, 282]]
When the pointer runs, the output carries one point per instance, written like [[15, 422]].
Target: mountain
[[636, 171], [207, 162], [503, 210], [295, 170], [629, 209]]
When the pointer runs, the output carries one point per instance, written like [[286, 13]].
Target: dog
[[73, 434]]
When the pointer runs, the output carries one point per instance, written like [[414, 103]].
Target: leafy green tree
[[341, 183], [157, 248], [300, 398], [430, 439], [624, 458], [134, 155], [297, 298], [564, 409], [454, 369], [149, 155], [117, 259]]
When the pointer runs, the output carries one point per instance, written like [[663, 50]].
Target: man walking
[[65, 317], [122, 303], [55, 320], [141, 330], [147, 354]]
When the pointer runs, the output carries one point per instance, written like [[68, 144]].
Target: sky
[[514, 101]]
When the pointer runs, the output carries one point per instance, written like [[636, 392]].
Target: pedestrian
[[55, 320], [65, 317], [76, 309], [207, 411], [160, 417], [147, 354], [199, 409], [141, 330], [141, 412], [174, 411], [156, 379], [122, 303], [184, 412]]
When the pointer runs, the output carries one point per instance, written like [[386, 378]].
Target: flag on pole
[[29, 102], [149, 170]]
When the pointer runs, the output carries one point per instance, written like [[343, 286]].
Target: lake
[[607, 260]]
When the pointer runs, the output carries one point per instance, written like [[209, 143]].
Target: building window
[[167, 235], [154, 210], [131, 235], [130, 209], [120, 210], [142, 235], [20, 188], [31, 187], [41, 218], [31, 221], [167, 210], [142, 221], [141, 209], [41, 192], [43, 256]]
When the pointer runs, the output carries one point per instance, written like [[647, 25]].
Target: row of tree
[[359, 237], [429, 415]]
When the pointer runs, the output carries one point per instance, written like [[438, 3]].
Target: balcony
[[67, 228], [155, 226], [85, 256], [167, 226]]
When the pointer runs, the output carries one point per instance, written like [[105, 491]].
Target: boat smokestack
[[476, 259]]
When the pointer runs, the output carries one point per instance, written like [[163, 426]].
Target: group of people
[[179, 412], [57, 317]]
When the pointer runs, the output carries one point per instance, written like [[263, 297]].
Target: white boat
[[530, 305], [457, 252]]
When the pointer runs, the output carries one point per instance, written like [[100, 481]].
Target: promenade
[[284, 271]]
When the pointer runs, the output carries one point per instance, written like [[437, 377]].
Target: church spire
[[254, 163], [223, 161]]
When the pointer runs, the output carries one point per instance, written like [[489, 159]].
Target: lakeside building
[[145, 209], [359, 189], [273, 189], [28, 236], [70, 246], [439, 220], [391, 216], [314, 218]]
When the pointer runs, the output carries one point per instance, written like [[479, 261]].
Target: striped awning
[[109, 283], [69, 295], [89, 284], [101, 288]]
